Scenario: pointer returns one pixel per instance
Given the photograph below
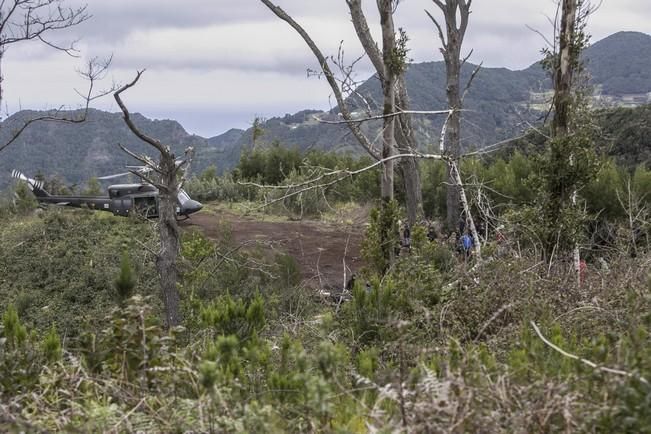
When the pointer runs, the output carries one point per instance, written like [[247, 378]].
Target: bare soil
[[320, 249]]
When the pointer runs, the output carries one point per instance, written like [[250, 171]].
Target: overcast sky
[[216, 64]]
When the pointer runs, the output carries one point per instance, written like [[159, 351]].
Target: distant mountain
[[621, 64], [500, 104], [75, 152]]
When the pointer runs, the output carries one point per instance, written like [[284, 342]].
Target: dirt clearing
[[319, 248]]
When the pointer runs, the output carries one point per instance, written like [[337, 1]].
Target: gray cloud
[[115, 19]]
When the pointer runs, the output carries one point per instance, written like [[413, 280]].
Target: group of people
[[461, 240]]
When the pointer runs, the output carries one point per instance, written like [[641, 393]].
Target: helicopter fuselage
[[122, 199]]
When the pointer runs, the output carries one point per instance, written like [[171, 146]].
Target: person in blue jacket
[[467, 244]]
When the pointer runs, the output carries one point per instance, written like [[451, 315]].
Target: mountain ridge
[[501, 103]]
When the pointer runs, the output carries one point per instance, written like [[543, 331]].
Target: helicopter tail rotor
[[35, 186]]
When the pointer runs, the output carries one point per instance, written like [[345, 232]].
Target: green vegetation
[[419, 348], [279, 170], [432, 342]]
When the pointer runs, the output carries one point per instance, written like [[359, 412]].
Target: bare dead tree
[[26, 20], [170, 178], [456, 14], [94, 71], [563, 74], [37, 20], [392, 64], [404, 132]]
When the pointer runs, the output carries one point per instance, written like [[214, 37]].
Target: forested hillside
[[76, 152], [501, 104], [621, 63]]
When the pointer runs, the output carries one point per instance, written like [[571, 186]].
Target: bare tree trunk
[[168, 229], [452, 41], [389, 94], [563, 96], [404, 134], [452, 150], [170, 246], [453, 146], [388, 133], [406, 143]]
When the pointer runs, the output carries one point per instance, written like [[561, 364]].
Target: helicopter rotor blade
[[117, 175], [139, 169]]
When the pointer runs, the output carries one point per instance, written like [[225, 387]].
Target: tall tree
[[568, 139], [570, 161], [169, 174], [404, 132], [456, 14], [393, 65]]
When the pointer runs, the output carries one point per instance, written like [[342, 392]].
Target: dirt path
[[317, 247]]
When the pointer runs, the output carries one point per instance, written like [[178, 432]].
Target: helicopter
[[122, 200]]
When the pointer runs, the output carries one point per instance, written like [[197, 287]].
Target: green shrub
[[381, 239], [229, 316], [126, 280]]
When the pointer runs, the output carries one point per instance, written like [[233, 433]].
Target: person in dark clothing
[[462, 225], [406, 237], [431, 232], [351, 283]]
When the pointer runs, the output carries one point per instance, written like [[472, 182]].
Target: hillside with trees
[[621, 63], [499, 103]]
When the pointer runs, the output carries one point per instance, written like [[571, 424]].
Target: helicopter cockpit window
[[183, 196]]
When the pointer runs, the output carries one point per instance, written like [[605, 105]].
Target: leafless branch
[[148, 162], [470, 80], [438, 26], [384, 116], [585, 361], [96, 69], [127, 117], [494, 147], [26, 20], [465, 59], [329, 75], [551, 45], [324, 181]]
